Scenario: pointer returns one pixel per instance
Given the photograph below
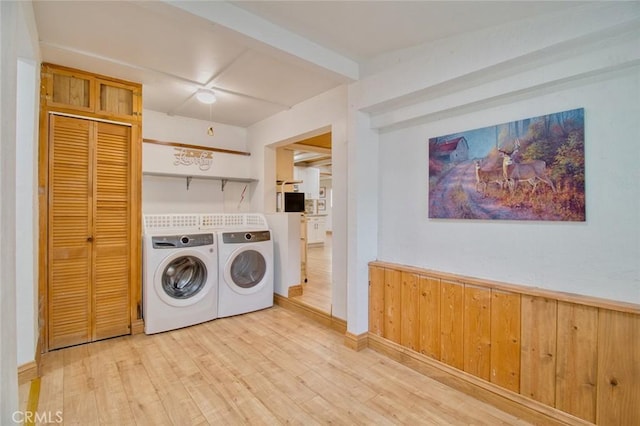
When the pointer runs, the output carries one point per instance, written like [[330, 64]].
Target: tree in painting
[[531, 169]]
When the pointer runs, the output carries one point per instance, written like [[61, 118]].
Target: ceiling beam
[[308, 148], [259, 29], [319, 163]]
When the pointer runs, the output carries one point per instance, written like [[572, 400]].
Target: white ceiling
[[261, 57]]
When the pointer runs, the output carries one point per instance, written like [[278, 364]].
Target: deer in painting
[[533, 171], [486, 177]]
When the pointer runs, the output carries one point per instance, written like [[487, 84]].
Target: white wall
[[8, 65], [18, 223], [320, 114], [587, 58], [310, 177], [362, 214], [160, 126], [170, 194], [27, 210]]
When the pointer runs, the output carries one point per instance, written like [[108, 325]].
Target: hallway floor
[[317, 290]]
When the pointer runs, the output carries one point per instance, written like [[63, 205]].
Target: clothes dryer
[[245, 271]]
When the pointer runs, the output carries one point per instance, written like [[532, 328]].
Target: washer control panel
[[180, 241]]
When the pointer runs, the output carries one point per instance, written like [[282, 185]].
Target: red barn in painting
[[454, 150]]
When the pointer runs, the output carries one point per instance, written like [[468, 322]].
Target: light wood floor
[[316, 292], [269, 367]]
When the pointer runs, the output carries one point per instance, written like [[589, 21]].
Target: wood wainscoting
[[576, 354]]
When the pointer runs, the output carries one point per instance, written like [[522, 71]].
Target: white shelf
[[288, 182], [223, 179]]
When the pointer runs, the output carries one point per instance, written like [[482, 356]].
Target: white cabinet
[[316, 229]]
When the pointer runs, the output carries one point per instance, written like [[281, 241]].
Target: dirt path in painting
[[454, 196]]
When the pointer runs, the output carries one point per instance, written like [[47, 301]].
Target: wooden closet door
[[70, 224], [111, 231], [89, 231]]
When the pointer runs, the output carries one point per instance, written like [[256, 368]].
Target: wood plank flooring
[[316, 292], [268, 367]]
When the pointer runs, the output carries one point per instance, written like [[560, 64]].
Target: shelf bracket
[[189, 181], [223, 183]]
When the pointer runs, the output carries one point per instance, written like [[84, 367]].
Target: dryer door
[[246, 270], [182, 278]]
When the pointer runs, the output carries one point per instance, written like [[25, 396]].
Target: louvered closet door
[[70, 224], [88, 231], [111, 226]]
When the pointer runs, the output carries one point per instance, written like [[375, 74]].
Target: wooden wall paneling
[[452, 324], [392, 304], [618, 385], [410, 312], [614, 305], [429, 316], [72, 90], [538, 349], [505, 339], [576, 362], [69, 89], [477, 331], [376, 300], [117, 100], [578, 354]]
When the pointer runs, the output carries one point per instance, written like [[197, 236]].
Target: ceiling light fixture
[[206, 96]]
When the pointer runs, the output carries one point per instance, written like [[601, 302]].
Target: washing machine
[[245, 271], [180, 282]]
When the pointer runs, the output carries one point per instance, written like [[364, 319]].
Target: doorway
[[317, 290], [310, 164]]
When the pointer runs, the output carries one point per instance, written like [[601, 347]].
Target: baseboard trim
[[357, 342], [137, 326], [315, 314], [27, 372], [31, 370], [503, 399], [295, 290]]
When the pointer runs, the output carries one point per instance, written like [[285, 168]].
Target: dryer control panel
[[245, 237]]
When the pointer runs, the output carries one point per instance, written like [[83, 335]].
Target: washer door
[[182, 278], [247, 270]]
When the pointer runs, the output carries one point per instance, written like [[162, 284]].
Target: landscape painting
[[531, 169]]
